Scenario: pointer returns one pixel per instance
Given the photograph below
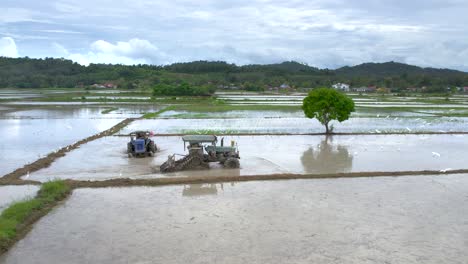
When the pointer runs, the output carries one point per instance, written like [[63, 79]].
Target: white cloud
[[135, 51], [8, 47], [323, 33]]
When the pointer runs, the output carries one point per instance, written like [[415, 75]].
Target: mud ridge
[[197, 180], [313, 134], [51, 157], [23, 229]]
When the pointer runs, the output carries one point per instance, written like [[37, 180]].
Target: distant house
[[110, 85], [360, 89], [383, 90], [412, 89], [371, 88], [364, 89], [98, 86], [104, 86], [285, 86], [341, 86]]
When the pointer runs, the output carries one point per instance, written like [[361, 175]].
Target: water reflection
[[327, 157], [202, 189]]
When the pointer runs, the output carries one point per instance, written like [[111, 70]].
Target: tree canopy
[[62, 73], [326, 105]]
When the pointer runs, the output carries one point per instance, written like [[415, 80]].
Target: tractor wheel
[[129, 150], [232, 163], [152, 147]]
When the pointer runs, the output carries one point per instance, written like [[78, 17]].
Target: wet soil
[[51, 157], [365, 220], [106, 158]]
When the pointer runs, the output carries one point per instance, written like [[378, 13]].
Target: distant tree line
[[200, 75], [183, 89]]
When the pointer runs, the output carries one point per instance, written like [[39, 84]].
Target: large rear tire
[[130, 149], [232, 163]]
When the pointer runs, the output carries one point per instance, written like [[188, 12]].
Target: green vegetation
[[202, 76], [183, 89], [210, 106], [107, 111], [16, 215], [209, 132], [327, 105], [156, 114]]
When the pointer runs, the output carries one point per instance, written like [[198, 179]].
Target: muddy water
[[25, 140], [361, 112], [28, 134], [384, 220], [299, 125], [67, 112], [10, 194], [260, 155]]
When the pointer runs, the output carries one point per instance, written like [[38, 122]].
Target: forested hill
[[388, 69], [49, 72]]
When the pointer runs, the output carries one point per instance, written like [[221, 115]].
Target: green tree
[[326, 105]]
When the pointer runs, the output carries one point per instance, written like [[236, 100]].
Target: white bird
[[409, 129], [435, 154], [445, 170]]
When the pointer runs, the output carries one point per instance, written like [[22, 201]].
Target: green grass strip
[[14, 217], [107, 111]]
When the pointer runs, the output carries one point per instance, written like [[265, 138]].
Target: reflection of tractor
[[141, 145], [200, 155]]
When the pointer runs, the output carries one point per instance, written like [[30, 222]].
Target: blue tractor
[[141, 145]]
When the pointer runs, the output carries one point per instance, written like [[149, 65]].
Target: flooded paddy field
[[364, 220], [11, 194], [78, 112], [106, 158], [32, 132], [299, 125], [26, 140]]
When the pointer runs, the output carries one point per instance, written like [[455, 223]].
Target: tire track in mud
[[51, 157]]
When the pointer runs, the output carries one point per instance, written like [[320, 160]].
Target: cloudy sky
[[323, 33]]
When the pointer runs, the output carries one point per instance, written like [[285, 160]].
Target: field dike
[[51, 157], [221, 179], [43, 203], [18, 219], [221, 133]]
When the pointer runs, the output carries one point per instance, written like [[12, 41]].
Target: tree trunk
[[327, 130]]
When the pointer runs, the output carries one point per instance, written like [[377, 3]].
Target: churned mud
[[51, 157], [106, 158], [363, 220]]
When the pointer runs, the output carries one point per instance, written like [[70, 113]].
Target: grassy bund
[[16, 220]]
